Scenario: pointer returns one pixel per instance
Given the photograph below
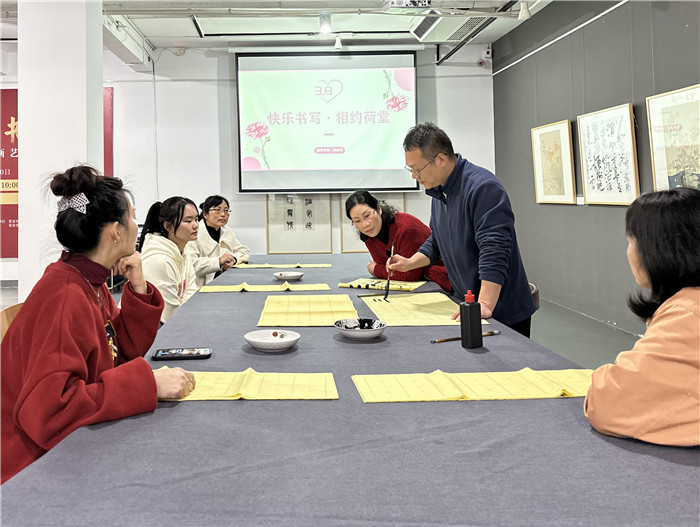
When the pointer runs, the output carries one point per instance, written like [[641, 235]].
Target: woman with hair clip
[[382, 227], [652, 393], [169, 227], [217, 248], [70, 357]]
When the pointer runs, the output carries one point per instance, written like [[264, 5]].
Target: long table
[[344, 462]]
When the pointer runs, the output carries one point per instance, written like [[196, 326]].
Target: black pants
[[522, 327]]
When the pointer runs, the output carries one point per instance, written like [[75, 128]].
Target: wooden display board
[[349, 237], [298, 223]]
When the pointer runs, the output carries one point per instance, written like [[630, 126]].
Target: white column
[[59, 80]]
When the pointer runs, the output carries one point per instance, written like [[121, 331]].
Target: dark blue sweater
[[474, 233]]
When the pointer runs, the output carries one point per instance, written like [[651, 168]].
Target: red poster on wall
[[9, 163], [9, 157], [108, 101]]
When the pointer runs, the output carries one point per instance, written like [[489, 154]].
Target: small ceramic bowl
[[360, 328], [272, 340], [288, 275]]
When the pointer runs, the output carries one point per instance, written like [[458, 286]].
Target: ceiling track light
[[524, 13], [324, 20], [338, 43]]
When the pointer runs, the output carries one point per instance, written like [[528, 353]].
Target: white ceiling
[[268, 23]]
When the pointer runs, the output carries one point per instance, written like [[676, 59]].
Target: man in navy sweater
[[473, 229]]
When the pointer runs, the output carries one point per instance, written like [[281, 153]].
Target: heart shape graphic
[[331, 89]]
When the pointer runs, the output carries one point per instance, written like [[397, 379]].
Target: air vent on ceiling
[[434, 28]]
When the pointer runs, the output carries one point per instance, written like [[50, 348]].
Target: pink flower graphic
[[258, 130], [396, 103]]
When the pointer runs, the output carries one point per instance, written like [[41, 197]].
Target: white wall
[[174, 130]]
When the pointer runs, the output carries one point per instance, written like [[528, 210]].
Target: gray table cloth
[[344, 462]]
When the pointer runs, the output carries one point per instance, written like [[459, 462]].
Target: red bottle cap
[[469, 297]]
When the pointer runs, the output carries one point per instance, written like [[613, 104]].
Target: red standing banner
[[9, 162], [108, 101]]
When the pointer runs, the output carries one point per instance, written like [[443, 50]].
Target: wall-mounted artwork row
[[674, 134], [608, 156], [553, 162]]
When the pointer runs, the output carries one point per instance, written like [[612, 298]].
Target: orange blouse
[[652, 392]]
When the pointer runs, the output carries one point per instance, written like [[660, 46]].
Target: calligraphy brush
[[388, 274]]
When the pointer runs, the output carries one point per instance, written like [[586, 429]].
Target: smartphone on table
[[181, 353]]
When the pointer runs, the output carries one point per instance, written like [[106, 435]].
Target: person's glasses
[[365, 217], [219, 210], [419, 170]]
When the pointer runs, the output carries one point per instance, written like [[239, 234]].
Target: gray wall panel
[[577, 254]]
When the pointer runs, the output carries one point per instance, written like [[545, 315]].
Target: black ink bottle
[[470, 319]]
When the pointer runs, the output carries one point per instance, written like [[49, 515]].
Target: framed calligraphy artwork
[[298, 223], [608, 156], [674, 134], [553, 163]]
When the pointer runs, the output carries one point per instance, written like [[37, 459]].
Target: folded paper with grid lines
[[306, 310], [415, 309], [286, 286], [441, 386], [279, 266], [250, 384], [369, 283]]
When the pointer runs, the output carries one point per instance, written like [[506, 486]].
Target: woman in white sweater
[[168, 229], [217, 248]]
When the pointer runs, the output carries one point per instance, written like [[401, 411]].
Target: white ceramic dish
[[360, 328], [272, 340], [288, 275]]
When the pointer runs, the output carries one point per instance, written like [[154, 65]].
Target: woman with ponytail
[[71, 357], [169, 227]]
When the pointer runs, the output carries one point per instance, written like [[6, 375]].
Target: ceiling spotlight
[[324, 20], [524, 11], [338, 43]]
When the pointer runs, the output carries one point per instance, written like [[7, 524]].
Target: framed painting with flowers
[[553, 163], [674, 134]]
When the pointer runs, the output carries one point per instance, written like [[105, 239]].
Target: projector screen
[[324, 122]]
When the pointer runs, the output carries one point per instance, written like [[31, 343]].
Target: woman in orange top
[[652, 392]]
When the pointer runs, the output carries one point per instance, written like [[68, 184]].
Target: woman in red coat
[[71, 357], [381, 227]]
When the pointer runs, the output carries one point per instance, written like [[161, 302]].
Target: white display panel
[[319, 122]]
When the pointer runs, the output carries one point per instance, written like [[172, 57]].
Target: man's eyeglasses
[[419, 170], [219, 210]]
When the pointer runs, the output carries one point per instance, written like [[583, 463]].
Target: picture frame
[[674, 137], [349, 237], [553, 163], [299, 223], [608, 151]]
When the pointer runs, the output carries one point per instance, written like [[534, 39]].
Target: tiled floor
[[585, 341]]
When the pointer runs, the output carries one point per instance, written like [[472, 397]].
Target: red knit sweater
[[407, 234], [58, 370]]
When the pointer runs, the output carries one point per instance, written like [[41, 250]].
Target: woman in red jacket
[[70, 357], [381, 227]]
